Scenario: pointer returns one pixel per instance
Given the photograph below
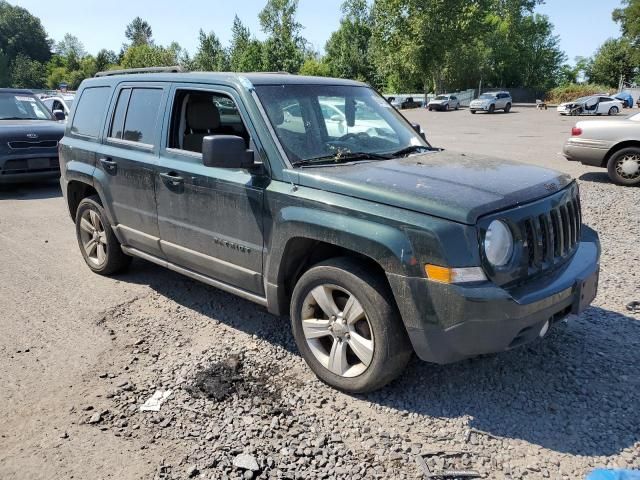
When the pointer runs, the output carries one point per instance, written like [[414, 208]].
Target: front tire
[[624, 167], [347, 327], [492, 108], [98, 244], [507, 109]]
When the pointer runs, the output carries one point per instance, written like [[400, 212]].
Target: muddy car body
[[377, 246]]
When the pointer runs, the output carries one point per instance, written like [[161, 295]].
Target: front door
[[210, 219], [126, 163]]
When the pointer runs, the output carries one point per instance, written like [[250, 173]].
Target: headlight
[[498, 244]]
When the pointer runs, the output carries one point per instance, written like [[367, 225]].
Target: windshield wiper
[[403, 152], [341, 158]]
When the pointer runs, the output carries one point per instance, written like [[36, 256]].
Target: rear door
[[210, 219], [127, 159]]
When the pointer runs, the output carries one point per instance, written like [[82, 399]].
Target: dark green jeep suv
[[314, 197]]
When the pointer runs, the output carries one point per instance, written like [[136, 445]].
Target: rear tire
[[98, 244], [614, 111], [624, 167], [473, 112], [347, 327]]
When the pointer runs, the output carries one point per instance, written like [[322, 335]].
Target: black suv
[[314, 197], [29, 136]]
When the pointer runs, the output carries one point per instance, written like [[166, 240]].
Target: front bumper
[[29, 167], [480, 107], [448, 323]]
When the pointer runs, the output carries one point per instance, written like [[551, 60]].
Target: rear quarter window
[[90, 112]]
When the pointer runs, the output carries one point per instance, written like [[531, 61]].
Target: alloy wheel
[[337, 330], [93, 237]]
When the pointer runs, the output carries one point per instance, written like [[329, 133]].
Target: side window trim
[[115, 110]]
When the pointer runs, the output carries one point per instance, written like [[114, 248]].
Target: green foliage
[[139, 32], [629, 20], [245, 52], [146, 55], [347, 50], [210, 56], [613, 60], [27, 73], [315, 68], [567, 93], [283, 50], [22, 34]]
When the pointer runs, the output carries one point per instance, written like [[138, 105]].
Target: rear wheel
[[473, 112], [98, 244], [624, 167], [347, 327], [614, 111]]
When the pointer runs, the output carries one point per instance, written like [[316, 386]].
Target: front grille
[[20, 144], [553, 236]]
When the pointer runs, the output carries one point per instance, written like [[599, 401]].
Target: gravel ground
[[81, 353]]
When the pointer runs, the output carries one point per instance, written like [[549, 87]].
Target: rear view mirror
[[350, 111], [59, 115], [226, 151]]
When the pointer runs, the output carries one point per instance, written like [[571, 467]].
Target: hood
[[26, 129], [439, 101], [456, 186]]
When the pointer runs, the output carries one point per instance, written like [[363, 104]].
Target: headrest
[[202, 114], [276, 114]]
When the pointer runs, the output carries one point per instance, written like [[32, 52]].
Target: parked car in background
[[592, 105], [610, 144], [491, 101], [29, 135], [62, 102], [444, 102], [404, 103], [375, 246], [626, 98]]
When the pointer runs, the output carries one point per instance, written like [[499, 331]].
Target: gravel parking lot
[[80, 354]]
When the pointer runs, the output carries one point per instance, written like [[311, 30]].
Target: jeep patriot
[[314, 197]]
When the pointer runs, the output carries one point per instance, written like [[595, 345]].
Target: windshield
[[441, 97], [19, 106], [487, 96], [312, 122]]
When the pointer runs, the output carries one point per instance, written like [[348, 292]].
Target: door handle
[[109, 165], [172, 178]]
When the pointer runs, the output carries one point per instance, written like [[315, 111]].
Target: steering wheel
[[354, 136]]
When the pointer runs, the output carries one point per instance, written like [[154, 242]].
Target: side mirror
[[59, 115], [226, 151], [419, 131]]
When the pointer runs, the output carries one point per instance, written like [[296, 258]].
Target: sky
[[583, 25]]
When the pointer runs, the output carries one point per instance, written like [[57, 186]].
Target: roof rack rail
[[108, 73]]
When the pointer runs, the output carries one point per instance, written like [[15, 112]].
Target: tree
[[139, 32], [141, 56], [315, 68], [210, 56], [348, 48], [629, 20], [613, 60], [22, 34], [105, 59], [27, 73], [284, 48], [245, 52]]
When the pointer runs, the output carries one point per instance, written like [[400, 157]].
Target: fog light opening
[[545, 328]]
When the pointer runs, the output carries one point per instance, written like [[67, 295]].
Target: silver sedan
[[610, 144]]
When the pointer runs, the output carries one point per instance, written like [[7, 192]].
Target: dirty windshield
[[20, 106], [329, 123]]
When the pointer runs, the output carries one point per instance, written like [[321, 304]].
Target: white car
[[444, 102], [592, 105], [61, 102]]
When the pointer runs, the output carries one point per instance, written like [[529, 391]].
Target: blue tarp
[[627, 98], [614, 475]]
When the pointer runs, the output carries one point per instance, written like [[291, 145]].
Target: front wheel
[[347, 327], [507, 109], [624, 167], [98, 244], [613, 111], [473, 112], [492, 108]]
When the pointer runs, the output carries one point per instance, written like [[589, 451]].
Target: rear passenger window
[[89, 115], [142, 115]]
